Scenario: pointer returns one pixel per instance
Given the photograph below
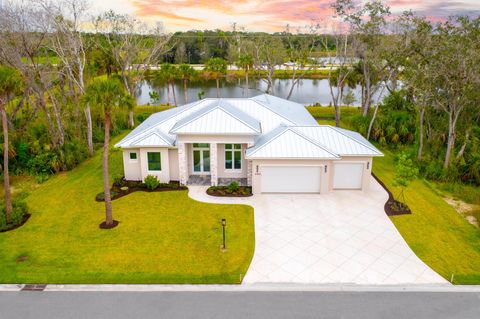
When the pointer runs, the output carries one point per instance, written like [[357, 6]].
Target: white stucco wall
[[164, 174], [131, 168], [174, 164], [226, 173]]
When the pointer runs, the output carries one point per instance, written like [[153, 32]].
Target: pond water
[[308, 91]]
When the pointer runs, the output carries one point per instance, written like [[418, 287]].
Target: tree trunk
[[246, 81], [106, 183], [218, 87], [420, 137], [131, 121], [185, 92], [451, 140], [464, 145], [168, 92], [6, 177], [88, 116], [173, 91], [372, 120]]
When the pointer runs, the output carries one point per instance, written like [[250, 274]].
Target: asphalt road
[[145, 305]]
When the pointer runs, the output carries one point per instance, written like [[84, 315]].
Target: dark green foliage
[[43, 164], [19, 212], [151, 182], [233, 186]]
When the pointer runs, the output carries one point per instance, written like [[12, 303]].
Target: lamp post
[[224, 223]]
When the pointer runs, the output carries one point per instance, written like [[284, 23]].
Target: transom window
[[233, 156], [154, 161]]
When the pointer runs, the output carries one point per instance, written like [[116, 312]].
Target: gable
[[215, 121], [290, 144]]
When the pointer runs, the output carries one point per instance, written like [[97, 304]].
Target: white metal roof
[[342, 142], [279, 144], [221, 118], [285, 142], [283, 129]]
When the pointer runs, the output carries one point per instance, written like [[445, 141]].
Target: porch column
[[214, 164], [249, 168], [182, 163]]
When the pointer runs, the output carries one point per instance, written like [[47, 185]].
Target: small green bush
[[233, 186], [151, 182], [119, 181], [101, 196], [19, 212]]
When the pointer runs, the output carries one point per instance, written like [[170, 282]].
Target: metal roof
[[220, 118], [308, 139], [284, 129], [342, 142], [286, 142]]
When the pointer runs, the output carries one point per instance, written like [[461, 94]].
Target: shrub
[[43, 164], [119, 181], [151, 182], [19, 212], [233, 186], [101, 196]]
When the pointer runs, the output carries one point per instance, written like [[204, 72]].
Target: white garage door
[[291, 179], [347, 175]]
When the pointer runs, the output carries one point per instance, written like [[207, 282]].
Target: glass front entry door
[[201, 158]]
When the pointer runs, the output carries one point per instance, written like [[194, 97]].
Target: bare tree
[[23, 41], [133, 45], [67, 41]]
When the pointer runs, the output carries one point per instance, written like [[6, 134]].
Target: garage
[[290, 179], [348, 175]]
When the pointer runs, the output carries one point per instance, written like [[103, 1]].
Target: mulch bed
[[104, 225], [25, 219], [222, 191], [116, 192], [393, 207]]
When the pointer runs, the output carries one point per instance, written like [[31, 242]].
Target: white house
[[266, 142]]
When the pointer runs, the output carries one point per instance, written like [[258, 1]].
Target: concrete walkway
[[343, 237]]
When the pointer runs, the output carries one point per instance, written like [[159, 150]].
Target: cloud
[[274, 15]]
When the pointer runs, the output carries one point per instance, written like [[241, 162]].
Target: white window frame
[[201, 149], [155, 171], [132, 160], [232, 151]]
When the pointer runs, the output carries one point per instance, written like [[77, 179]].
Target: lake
[[308, 91]]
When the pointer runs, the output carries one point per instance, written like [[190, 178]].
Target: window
[[233, 156], [154, 162], [133, 156]]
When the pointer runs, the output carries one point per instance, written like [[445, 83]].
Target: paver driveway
[[339, 237]]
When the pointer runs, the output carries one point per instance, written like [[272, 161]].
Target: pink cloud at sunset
[[268, 15]]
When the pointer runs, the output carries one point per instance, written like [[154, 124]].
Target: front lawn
[[163, 237], [437, 234]]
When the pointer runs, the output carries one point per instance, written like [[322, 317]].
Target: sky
[[263, 15]]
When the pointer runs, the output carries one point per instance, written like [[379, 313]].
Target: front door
[[201, 158]]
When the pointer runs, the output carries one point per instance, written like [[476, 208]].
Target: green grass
[[437, 234], [163, 237], [435, 231]]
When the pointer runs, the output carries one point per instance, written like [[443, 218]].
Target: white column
[[249, 168], [182, 163], [214, 164]]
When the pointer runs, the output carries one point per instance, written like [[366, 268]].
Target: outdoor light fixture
[[325, 168], [224, 224], [368, 165]]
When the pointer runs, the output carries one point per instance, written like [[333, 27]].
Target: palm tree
[[10, 84], [245, 62], [168, 73], [217, 67], [186, 73], [106, 96]]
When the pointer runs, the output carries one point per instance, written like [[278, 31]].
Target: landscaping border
[[387, 207], [25, 219], [217, 192], [120, 193]]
